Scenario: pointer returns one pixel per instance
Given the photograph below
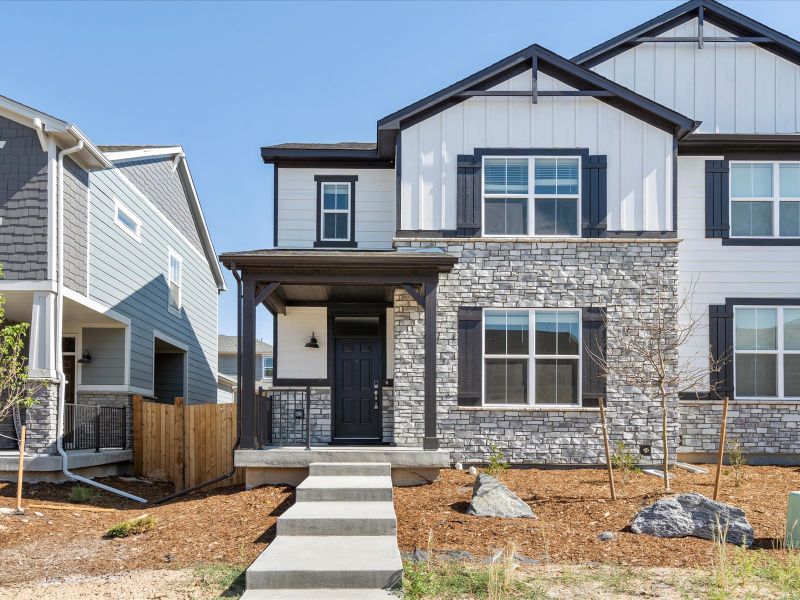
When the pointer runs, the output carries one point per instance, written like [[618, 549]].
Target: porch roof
[[407, 259], [296, 277]]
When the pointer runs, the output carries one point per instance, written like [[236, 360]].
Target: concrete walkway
[[338, 541]]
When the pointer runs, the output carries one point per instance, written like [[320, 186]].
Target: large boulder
[[490, 498], [694, 515]]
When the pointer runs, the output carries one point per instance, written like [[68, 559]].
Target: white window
[[335, 213], [175, 276], [127, 221], [512, 207], [544, 369], [266, 367], [767, 351], [765, 199]]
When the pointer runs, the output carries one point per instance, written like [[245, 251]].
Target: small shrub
[[80, 494], [497, 464], [737, 461], [132, 527], [623, 460]]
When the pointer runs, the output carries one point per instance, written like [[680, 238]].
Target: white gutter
[[62, 379]]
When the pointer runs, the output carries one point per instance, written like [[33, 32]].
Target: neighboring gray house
[[228, 361], [455, 272], [136, 309]]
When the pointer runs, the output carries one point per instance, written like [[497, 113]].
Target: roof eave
[[276, 155]]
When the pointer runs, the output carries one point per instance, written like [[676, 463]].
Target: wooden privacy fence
[[187, 444]]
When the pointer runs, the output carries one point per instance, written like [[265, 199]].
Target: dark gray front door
[[357, 392]]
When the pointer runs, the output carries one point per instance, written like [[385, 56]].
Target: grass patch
[[223, 578], [453, 580], [132, 527], [80, 494], [753, 572]]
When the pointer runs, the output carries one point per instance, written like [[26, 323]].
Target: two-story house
[[228, 352], [107, 255], [454, 275]]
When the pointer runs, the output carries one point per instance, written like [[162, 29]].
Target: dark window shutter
[[594, 200], [470, 371], [720, 337], [468, 195], [718, 223], [594, 343]]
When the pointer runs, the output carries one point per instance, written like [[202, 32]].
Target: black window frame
[[351, 242]]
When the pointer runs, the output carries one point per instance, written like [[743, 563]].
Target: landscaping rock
[[607, 536], [490, 498], [693, 515], [473, 471], [7, 511], [459, 466], [38, 514]]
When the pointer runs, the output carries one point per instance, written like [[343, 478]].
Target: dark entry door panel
[[357, 395]]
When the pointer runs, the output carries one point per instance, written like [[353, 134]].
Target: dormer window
[[765, 199]]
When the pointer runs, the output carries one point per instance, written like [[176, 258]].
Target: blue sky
[[223, 79]]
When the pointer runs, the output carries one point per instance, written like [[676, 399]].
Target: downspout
[[232, 472], [62, 379]]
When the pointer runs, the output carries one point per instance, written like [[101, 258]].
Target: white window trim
[[531, 357], [264, 367], [775, 199], [170, 255], [779, 353], [531, 196], [119, 206], [323, 211]]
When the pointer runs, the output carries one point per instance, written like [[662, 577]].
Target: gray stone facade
[[41, 420], [23, 202], [610, 273], [768, 431]]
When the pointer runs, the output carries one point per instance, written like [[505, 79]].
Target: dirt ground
[[231, 526]]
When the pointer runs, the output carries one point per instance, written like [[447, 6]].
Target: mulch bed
[[231, 525], [573, 507]]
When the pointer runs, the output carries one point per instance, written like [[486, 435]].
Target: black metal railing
[[284, 416], [87, 426]]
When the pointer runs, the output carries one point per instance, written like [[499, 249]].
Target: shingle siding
[[155, 179], [76, 190], [23, 202]]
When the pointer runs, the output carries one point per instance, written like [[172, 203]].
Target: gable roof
[[714, 12], [227, 344], [551, 64], [66, 134], [133, 153]]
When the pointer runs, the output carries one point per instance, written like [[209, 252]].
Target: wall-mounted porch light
[[312, 342], [86, 358]]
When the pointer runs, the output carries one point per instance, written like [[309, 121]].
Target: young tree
[[646, 339], [17, 390]]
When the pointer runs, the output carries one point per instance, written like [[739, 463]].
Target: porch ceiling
[[300, 294]]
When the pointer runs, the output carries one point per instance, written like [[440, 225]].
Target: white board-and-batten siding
[[374, 206], [295, 361], [639, 154], [731, 88], [713, 272]]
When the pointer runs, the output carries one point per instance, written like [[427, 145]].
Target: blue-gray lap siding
[[107, 349], [131, 278], [23, 202]]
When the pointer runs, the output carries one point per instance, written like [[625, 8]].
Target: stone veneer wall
[[765, 429], [320, 416], [108, 399], [516, 273], [41, 421]]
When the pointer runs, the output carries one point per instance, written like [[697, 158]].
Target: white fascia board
[[205, 236], [100, 161], [115, 155], [25, 285], [14, 110]]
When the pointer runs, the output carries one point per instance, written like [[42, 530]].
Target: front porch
[[339, 394]]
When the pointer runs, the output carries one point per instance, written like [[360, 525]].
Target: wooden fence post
[[138, 446], [179, 427]]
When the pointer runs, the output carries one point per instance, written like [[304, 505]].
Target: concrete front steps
[[339, 539]]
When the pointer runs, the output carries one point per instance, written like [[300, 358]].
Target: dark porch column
[[430, 441], [247, 395]]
